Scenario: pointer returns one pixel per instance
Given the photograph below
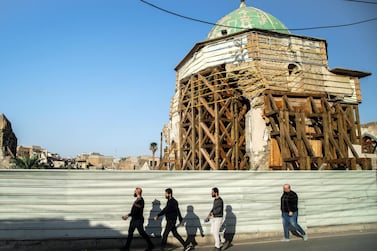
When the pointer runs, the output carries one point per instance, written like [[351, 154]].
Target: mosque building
[[254, 96]]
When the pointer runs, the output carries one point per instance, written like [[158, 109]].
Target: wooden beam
[[357, 118], [193, 131], [300, 144], [288, 139], [217, 132], [208, 159], [294, 94]]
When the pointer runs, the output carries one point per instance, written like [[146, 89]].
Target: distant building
[[94, 161], [30, 151], [137, 163], [51, 160]]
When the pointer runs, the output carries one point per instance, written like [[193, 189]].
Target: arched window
[[294, 69]]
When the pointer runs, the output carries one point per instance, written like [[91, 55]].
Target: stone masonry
[[8, 141]]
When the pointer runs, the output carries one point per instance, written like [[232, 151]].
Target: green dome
[[246, 18]]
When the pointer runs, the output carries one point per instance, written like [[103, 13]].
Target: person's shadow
[[154, 227], [229, 225], [192, 225]]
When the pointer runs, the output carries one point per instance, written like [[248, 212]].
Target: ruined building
[[8, 142], [254, 96], [369, 140]]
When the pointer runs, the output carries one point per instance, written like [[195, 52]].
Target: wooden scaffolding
[[311, 132], [310, 111], [308, 131], [212, 126]]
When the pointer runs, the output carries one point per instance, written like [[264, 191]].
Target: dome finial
[[243, 4]]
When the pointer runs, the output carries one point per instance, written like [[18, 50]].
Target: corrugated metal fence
[[42, 204]]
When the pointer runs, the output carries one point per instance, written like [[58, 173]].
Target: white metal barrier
[[43, 204]]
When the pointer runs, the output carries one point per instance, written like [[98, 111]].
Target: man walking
[[289, 210], [137, 221], [216, 214], [171, 212]]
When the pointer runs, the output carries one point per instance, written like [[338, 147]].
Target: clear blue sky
[[98, 75]]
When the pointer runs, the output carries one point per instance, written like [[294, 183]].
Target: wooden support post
[[236, 125], [308, 146], [353, 126], [200, 131], [181, 107], [288, 139], [300, 144], [326, 131], [308, 163], [283, 144], [353, 164], [193, 131], [358, 129]]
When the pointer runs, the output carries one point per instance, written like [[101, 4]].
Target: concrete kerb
[[312, 232], [116, 243]]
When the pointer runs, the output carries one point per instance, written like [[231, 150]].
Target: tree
[[27, 162], [153, 147]]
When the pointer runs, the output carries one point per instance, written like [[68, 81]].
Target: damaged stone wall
[[369, 145], [370, 128], [297, 64], [8, 142]]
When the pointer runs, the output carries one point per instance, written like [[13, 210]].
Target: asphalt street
[[355, 241], [351, 242]]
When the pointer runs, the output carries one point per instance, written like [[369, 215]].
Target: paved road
[[353, 242], [343, 242]]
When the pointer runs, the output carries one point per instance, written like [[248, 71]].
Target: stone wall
[[370, 128], [8, 141]]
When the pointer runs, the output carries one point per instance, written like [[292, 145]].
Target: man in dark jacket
[[289, 210], [171, 212], [137, 221]]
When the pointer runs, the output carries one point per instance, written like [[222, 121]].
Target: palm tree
[[27, 162], [153, 147]]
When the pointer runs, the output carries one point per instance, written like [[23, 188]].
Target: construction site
[[256, 105], [254, 96]]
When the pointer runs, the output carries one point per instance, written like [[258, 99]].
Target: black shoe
[[150, 248], [226, 245]]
